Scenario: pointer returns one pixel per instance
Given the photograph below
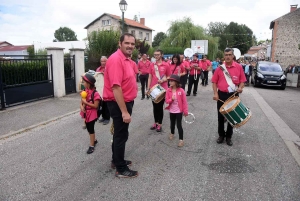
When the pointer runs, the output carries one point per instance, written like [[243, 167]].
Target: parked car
[[267, 73]]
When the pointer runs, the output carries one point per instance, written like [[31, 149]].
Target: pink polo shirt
[[205, 64], [100, 69], [120, 71], [186, 65], [236, 72], [90, 113], [164, 70], [144, 67], [192, 71], [174, 69]]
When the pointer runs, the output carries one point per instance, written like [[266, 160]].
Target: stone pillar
[[58, 77], [79, 65]]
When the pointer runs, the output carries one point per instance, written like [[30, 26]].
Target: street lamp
[[123, 7]]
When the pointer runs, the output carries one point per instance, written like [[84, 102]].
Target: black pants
[[120, 134], [205, 80], [192, 82], [183, 80], [158, 111], [144, 82], [105, 111], [176, 118], [223, 96], [90, 126]]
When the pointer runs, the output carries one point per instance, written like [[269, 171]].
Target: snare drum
[[157, 93], [236, 113]]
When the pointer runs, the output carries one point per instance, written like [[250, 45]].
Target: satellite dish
[[237, 53], [188, 52]]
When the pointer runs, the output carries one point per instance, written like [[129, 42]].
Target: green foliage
[[21, 72], [160, 36], [135, 54], [142, 46], [41, 52], [101, 43], [172, 50], [216, 29], [64, 34], [151, 52], [30, 51], [220, 54], [135, 18]]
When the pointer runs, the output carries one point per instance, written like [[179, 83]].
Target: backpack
[[99, 109]]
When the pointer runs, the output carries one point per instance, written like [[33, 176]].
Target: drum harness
[[232, 86]]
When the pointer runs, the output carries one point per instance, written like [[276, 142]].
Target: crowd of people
[[120, 90]]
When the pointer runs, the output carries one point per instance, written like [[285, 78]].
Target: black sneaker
[[187, 94], [229, 142], [101, 120], [220, 140], [142, 98], [90, 150], [112, 165], [95, 142], [127, 174]]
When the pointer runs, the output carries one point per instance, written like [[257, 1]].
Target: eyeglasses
[[157, 55], [228, 55]]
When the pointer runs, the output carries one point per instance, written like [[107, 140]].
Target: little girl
[[89, 107], [176, 98]]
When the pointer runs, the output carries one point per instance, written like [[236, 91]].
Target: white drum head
[[99, 83], [230, 104]]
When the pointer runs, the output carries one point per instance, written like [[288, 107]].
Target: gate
[[69, 66], [25, 80]]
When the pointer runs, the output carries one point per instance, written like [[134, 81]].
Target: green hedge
[[21, 72]]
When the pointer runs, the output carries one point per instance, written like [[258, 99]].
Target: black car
[[268, 74]]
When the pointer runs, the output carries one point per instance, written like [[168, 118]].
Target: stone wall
[[287, 39]]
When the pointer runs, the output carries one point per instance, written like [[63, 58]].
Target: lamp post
[[123, 7]]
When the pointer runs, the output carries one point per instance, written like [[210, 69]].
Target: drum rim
[[160, 99], [232, 107], [243, 122]]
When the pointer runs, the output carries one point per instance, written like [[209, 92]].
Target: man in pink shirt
[[222, 91], [120, 90], [206, 66], [144, 68], [195, 70], [105, 111], [163, 71]]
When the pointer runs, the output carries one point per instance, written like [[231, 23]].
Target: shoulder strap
[[93, 95], [227, 77]]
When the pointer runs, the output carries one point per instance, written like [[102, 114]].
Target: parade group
[[168, 75]]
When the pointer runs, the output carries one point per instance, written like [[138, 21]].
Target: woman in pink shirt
[[88, 108], [176, 98]]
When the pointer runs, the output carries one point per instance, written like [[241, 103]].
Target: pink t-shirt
[[192, 71], [174, 69], [164, 70], [174, 107], [120, 71], [100, 69], [90, 113], [205, 64], [144, 67], [236, 72]]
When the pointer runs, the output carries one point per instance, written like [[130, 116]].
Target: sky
[[26, 22]]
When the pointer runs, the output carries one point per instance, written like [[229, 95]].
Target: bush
[[172, 50]]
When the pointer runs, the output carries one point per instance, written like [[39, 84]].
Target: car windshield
[[270, 68]]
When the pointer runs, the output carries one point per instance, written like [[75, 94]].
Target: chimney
[[142, 21], [294, 7]]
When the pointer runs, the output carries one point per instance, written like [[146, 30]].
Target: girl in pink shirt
[[176, 98], [88, 108]]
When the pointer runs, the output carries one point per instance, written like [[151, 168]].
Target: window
[[147, 36], [105, 22], [141, 35], [133, 32]]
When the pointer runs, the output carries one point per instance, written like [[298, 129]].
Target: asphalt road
[[286, 103], [50, 161]]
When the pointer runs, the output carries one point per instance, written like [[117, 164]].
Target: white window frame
[[147, 36], [106, 23], [140, 35]]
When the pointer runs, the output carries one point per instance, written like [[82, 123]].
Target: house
[[19, 51], [108, 21], [286, 39], [257, 53], [4, 43]]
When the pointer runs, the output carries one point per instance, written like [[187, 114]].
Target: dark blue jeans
[[120, 136]]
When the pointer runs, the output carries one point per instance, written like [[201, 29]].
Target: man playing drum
[[223, 91], [105, 112], [158, 74]]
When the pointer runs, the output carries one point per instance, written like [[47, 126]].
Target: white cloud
[[23, 22]]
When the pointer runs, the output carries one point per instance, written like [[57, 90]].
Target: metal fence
[[69, 68], [25, 80]]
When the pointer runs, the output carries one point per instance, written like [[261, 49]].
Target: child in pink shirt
[[88, 108], [176, 98]]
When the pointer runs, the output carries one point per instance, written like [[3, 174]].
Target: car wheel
[[282, 87], [255, 83]]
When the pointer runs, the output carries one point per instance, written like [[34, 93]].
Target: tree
[[160, 36], [142, 46], [216, 28], [64, 34], [30, 51], [135, 18]]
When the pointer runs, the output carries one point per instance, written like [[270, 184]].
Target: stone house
[[257, 53], [286, 38], [109, 21]]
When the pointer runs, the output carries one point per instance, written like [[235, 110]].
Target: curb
[[15, 133]]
